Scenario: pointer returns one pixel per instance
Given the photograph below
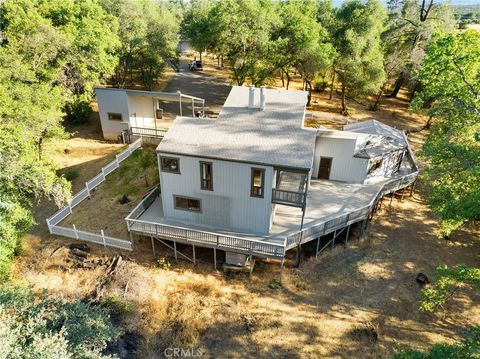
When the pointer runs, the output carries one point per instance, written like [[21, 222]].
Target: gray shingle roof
[[274, 136]]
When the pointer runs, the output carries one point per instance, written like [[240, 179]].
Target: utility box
[[235, 259]]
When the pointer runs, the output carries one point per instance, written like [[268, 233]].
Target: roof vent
[[251, 96], [262, 98]]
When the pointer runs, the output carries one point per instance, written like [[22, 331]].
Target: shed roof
[[273, 136]]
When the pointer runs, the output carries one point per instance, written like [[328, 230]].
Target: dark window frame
[[166, 169], [188, 208], [206, 184], [254, 190], [112, 114]]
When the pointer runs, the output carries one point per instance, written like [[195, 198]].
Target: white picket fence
[[62, 213]]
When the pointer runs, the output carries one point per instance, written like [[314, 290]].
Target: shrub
[[70, 174], [78, 111], [467, 348], [32, 327], [164, 263]]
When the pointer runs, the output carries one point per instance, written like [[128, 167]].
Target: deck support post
[[318, 245], [215, 258], [403, 193], [194, 259], [281, 269], [251, 264], [413, 187], [175, 249], [153, 248], [131, 238], [346, 236], [334, 236], [391, 198]]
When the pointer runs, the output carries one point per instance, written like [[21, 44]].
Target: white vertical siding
[[229, 205], [141, 110], [112, 101], [345, 167]]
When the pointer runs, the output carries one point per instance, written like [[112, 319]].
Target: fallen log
[[110, 272]]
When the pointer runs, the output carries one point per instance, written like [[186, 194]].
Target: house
[[256, 182], [144, 113]]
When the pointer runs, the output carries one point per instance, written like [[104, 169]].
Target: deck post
[[391, 198], [75, 230], [131, 237], [413, 187], [281, 269], [215, 258], [403, 193], [251, 264], [334, 236], [175, 249], [194, 259], [153, 248], [318, 245], [180, 98], [348, 232]]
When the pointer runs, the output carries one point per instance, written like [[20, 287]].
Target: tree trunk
[[218, 62], [283, 80], [288, 79], [222, 61], [377, 101], [398, 85], [309, 89], [200, 56], [344, 105], [331, 87], [415, 89]]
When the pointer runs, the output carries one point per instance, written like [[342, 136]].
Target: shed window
[[206, 176], [258, 182], [115, 116], [170, 164], [187, 204], [375, 164]]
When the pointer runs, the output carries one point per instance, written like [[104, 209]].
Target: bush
[[164, 263], [78, 111], [32, 327], [70, 174], [467, 348]]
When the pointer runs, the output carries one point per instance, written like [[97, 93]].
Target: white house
[[255, 181], [143, 111]]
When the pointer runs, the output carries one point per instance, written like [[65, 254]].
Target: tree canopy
[[450, 77]]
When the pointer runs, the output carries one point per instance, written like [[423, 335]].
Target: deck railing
[[148, 132], [289, 198]]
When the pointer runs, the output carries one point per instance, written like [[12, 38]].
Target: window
[[170, 164], [375, 164], [187, 204], [206, 181], [114, 116], [258, 179]]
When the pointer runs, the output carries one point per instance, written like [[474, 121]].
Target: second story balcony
[[290, 189]]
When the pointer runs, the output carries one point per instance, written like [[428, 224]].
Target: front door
[[324, 168]]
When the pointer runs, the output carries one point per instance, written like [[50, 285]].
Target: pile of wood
[[78, 257]]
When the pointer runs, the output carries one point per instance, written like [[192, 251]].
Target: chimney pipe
[[251, 96], [262, 98]]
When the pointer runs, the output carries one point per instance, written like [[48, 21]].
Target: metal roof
[[382, 138], [175, 96], [273, 136]]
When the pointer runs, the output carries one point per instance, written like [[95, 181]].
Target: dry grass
[[329, 307], [104, 210]]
